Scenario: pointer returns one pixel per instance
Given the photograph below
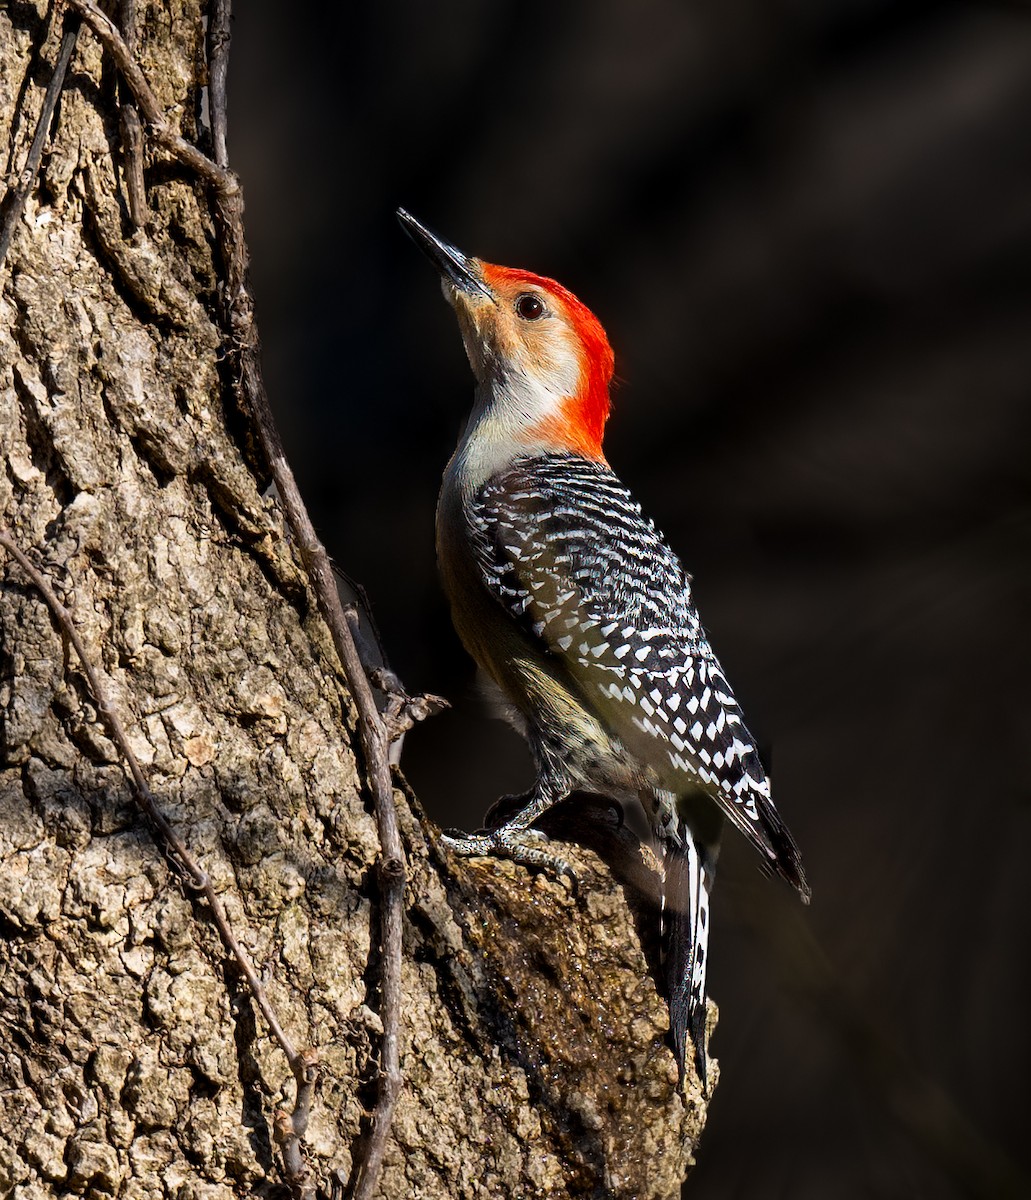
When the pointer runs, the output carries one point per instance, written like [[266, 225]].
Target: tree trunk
[[133, 1061]]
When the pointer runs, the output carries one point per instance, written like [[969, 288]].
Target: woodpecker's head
[[539, 351]]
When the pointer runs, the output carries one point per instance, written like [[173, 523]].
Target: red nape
[[582, 422]]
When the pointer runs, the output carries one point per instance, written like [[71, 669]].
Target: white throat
[[506, 411]]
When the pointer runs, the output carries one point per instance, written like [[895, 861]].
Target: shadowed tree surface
[[805, 228], [132, 1061]]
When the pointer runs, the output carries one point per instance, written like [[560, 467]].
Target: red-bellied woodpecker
[[575, 606]]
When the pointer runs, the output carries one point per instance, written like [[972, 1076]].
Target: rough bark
[[132, 1060]]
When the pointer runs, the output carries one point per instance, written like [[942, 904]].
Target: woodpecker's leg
[[505, 808], [515, 839]]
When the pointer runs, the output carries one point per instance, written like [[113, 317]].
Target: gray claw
[[520, 845], [468, 845]]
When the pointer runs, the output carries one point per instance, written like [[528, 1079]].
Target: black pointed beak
[[448, 260]]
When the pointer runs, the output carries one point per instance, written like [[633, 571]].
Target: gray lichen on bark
[[132, 1062]]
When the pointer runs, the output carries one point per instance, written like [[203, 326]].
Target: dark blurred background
[[807, 229]]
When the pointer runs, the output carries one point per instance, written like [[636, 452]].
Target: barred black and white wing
[[563, 546]]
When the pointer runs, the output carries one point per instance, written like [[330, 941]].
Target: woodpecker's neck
[[516, 413]]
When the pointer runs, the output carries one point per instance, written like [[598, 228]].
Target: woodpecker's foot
[[520, 845]]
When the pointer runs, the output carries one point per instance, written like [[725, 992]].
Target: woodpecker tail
[[689, 867]]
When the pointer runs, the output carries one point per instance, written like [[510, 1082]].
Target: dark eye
[[530, 306]]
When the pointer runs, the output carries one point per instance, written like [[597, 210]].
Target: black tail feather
[[688, 875]]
